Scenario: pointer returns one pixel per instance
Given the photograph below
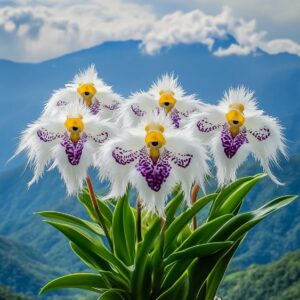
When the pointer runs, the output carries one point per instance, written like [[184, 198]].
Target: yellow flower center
[[87, 92], [74, 126], [167, 100], [154, 139], [235, 118]]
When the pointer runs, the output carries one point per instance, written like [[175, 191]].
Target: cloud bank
[[32, 30]]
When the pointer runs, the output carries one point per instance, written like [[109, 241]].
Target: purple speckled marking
[[95, 107], [61, 103], [137, 110], [175, 118], [124, 157], [181, 160], [232, 144], [100, 138], [113, 106], [73, 151], [155, 173], [47, 136], [261, 134], [206, 127]]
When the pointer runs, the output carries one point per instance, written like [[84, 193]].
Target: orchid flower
[[164, 95], [67, 141], [88, 88], [153, 158], [235, 128]]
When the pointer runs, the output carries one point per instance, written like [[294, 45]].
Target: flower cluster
[[154, 140]]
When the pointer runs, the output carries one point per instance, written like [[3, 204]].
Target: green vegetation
[[276, 281], [167, 259]]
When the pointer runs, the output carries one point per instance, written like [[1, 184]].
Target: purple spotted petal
[[113, 106], [73, 151], [124, 157], [232, 144], [155, 173], [137, 110], [61, 103], [175, 118], [47, 136], [261, 134], [95, 107], [206, 127], [100, 138]]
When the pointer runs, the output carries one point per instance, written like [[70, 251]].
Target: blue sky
[[36, 30]]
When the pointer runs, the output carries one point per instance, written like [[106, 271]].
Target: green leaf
[[86, 281], [111, 295], [204, 232], [85, 200], [144, 248], [114, 280], [180, 222], [91, 245], [157, 262], [224, 193], [261, 213], [172, 207], [72, 220], [88, 258], [200, 236], [179, 290], [236, 197], [124, 231], [218, 272], [197, 251]]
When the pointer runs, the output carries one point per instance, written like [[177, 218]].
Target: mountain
[[23, 269], [279, 280], [6, 294], [26, 87], [18, 205]]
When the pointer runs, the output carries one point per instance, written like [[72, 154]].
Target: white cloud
[[32, 30]]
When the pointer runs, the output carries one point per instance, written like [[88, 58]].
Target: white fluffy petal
[[265, 135], [136, 108], [227, 167]]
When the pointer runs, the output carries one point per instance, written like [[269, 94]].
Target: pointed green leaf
[[237, 196], [86, 281], [172, 206], [224, 193], [179, 223], [85, 200], [143, 251], [177, 291], [124, 231], [111, 295], [91, 245], [197, 251], [72, 220], [218, 273]]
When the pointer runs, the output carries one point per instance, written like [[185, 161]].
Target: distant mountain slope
[[22, 268], [6, 294], [27, 86], [18, 205], [276, 281]]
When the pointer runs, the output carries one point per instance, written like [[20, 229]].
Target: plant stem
[[194, 195], [97, 210], [139, 219]]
